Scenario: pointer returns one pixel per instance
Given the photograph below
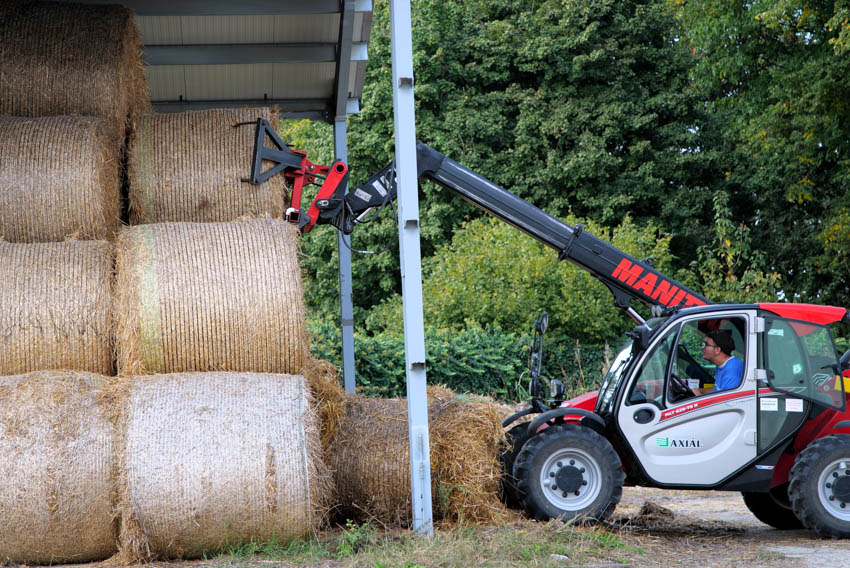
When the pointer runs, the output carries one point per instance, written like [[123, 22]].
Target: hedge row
[[480, 361]]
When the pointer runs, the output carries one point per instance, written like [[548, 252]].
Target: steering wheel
[[679, 389]]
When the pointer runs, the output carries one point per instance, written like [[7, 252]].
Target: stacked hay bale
[[369, 455], [193, 166], [55, 307], [59, 177], [203, 459], [71, 59], [209, 297], [71, 79], [211, 459], [57, 469]]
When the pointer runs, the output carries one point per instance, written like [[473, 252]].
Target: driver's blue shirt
[[729, 375]]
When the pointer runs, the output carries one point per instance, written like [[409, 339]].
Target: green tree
[[491, 274], [779, 81], [726, 270], [579, 106]]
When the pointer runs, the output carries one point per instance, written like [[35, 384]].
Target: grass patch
[[299, 552], [522, 544]]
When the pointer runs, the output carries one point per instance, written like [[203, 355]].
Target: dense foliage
[[776, 74], [579, 107], [477, 360], [711, 135], [490, 274]]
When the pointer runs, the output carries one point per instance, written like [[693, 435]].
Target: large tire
[[771, 509], [510, 492], [580, 461], [819, 486]]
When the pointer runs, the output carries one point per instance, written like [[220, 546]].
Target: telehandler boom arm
[[626, 277]]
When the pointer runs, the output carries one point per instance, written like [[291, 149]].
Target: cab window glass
[[801, 358], [649, 386], [709, 357], [785, 358]]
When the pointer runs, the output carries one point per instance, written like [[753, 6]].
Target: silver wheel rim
[[838, 468], [591, 475]]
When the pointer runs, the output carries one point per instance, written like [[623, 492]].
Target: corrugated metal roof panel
[[225, 29], [159, 30], [228, 82], [191, 30], [318, 28], [234, 82], [200, 30], [167, 82], [303, 80]]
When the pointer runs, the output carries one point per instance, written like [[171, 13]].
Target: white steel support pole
[[411, 265], [346, 301]]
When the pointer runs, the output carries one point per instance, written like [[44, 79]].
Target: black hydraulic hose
[[514, 417]]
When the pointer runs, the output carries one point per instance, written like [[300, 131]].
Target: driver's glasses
[[706, 344]]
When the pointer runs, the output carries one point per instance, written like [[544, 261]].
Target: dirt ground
[[708, 529]]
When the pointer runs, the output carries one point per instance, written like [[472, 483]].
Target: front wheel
[[819, 486], [569, 472]]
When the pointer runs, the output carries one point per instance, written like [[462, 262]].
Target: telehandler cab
[[779, 432]]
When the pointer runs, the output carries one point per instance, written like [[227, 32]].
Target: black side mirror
[[556, 390], [640, 336], [542, 322]]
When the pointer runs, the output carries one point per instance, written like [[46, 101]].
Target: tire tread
[[804, 474], [610, 461]]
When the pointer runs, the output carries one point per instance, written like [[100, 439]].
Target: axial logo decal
[[674, 443], [653, 285]]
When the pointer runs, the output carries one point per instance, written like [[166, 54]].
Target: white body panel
[[699, 440]]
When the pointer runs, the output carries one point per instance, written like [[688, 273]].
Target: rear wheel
[[819, 486], [772, 510], [569, 472]]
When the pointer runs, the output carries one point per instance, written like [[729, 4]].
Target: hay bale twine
[[55, 307], [370, 458], [212, 459], [209, 297], [59, 176], [190, 166], [71, 59], [57, 469]]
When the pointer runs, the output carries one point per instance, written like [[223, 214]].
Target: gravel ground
[[713, 528]]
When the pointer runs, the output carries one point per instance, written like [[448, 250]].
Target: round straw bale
[[209, 297], [59, 176], [214, 459], [57, 469], [323, 380], [71, 59], [465, 449], [55, 307], [190, 166], [370, 458]]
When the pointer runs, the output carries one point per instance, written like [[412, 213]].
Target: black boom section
[[625, 276]]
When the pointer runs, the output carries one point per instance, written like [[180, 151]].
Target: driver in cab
[[717, 348]]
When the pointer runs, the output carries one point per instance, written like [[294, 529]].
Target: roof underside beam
[[314, 109], [247, 54], [343, 62], [224, 8]]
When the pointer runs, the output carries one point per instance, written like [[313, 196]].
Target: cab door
[[690, 438]]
